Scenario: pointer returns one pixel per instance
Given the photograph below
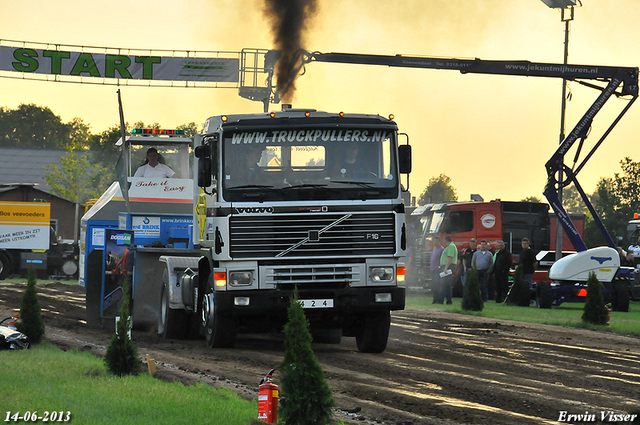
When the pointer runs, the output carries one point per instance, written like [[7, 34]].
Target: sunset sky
[[491, 134]]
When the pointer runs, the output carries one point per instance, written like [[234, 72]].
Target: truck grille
[[312, 235], [325, 276]]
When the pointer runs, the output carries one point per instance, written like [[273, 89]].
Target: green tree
[[121, 357], [534, 199], [80, 132], [103, 149], [615, 200], [31, 323], [190, 130], [572, 201], [307, 398], [32, 126], [472, 298], [439, 189], [594, 310], [77, 179], [607, 206], [626, 187]]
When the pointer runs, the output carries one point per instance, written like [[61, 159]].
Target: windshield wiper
[[361, 184], [309, 185]]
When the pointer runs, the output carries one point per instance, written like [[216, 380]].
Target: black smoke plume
[[289, 21]]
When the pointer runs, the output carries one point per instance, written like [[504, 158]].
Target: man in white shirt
[[152, 168]]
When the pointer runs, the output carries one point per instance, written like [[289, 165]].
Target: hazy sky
[[491, 134]]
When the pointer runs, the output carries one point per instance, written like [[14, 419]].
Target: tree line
[[88, 167]]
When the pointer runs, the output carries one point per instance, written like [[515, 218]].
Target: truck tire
[[544, 295], [5, 266], [172, 324], [373, 336], [219, 330], [620, 296]]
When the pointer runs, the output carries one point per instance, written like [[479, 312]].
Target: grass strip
[[567, 314], [47, 379]]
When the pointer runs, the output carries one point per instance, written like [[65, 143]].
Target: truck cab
[[300, 201]]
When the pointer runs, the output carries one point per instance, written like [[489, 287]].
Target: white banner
[[24, 225], [128, 67]]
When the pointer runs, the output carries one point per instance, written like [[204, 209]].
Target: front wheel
[[544, 295], [219, 331], [373, 336], [172, 323], [5, 266]]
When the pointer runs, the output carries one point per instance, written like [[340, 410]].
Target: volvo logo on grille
[[314, 235], [259, 210]]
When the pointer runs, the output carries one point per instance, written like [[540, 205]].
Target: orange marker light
[[400, 272], [220, 278]]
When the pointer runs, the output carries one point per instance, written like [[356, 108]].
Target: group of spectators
[[492, 265]]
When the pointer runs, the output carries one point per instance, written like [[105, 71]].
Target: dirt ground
[[439, 367]]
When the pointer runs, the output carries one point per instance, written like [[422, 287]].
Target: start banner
[[118, 66], [24, 225]]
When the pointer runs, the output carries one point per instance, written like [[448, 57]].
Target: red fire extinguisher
[[13, 322], [268, 400]]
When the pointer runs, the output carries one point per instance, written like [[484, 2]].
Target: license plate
[[322, 303]]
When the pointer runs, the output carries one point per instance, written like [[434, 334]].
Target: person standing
[[435, 270], [483, 260], [501, 266], [448, 262], [528, 261], [635, 249], [466, 255]]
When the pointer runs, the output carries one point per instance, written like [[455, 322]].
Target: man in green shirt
[[448, 263]]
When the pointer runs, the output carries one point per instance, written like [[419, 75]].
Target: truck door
[[489, 222]]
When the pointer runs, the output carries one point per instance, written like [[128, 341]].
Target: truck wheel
[[373, 336], [219, 331], [620, 296], [544, 295], [172, 323], [5, 266]]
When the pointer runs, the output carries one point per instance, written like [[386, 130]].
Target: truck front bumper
[[347, 301]]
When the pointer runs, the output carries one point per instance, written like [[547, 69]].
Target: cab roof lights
[[157, 132]]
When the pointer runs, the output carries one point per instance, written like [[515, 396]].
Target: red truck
[[491, 221]]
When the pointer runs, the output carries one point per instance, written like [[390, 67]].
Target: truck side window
[[460, 222]]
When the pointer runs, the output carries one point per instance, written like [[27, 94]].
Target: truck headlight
[[383, 298], [382, 274], [240, 278]]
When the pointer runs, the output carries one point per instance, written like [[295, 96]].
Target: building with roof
[[22, 179]]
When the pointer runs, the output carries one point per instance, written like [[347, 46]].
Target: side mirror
[[404, 158], [203, 153]]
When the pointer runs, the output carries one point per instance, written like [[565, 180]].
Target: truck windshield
[[310, 164], [176, 156], [436, 222]]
